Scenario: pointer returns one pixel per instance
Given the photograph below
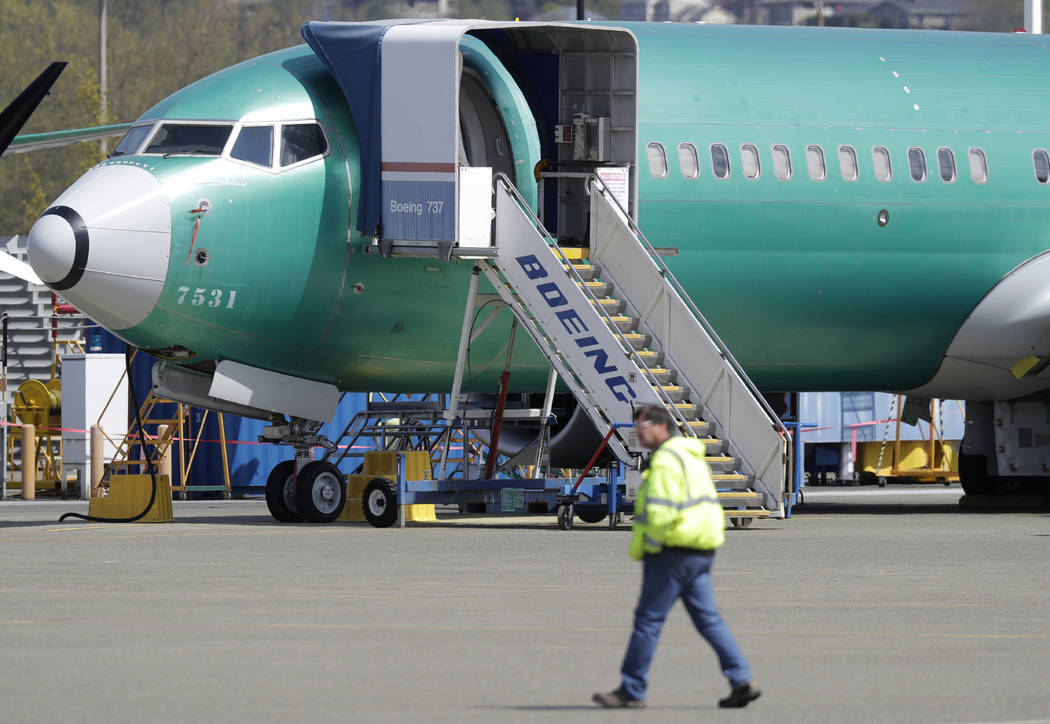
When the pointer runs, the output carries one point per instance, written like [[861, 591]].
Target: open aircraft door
[[434, 102]]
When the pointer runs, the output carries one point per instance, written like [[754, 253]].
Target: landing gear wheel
[[566, 513], [379, 502], [742, 522], [280, 499], [881, 482], [591, 516], [320, 492], [973, 475]]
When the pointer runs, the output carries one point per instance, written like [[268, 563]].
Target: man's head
[[653, 425]]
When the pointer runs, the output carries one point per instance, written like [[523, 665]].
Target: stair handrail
[[666, 273], [505, 181]]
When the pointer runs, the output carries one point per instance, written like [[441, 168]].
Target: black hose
[[149, 463]]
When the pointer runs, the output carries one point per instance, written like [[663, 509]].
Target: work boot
[[616, 699], [740, 696]]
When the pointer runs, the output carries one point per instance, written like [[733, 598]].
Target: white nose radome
[[104, 244], [54, 245]]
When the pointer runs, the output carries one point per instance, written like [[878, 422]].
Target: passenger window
[[917, 164], [301, 141], [688, 160], [781, 162], [815, 163], [749, 162], [978, 166], [946, 163], [848, 163], [719, 160], [254, 144], [880, 158], [1042, 166], [657, 159]]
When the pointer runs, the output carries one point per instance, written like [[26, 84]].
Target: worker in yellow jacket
[[678, 526]]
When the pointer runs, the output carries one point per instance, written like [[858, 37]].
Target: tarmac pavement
[[868, 605]]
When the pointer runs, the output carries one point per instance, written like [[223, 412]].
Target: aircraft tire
[[279, 498], [379, 502], [973, 475], [320, 493], [590, 515], [565, 516]]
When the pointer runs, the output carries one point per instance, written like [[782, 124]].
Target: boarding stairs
[[620, 331]]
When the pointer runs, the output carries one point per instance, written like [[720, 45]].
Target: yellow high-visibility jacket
[[677, 504]]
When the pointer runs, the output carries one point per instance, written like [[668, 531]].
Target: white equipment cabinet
[[89, 382]]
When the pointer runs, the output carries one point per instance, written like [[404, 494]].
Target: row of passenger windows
[[254, 144], [817, 167]]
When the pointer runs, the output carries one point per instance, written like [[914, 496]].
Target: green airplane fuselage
[[798, 276]]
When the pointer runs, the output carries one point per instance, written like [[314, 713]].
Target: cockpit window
[[300, 141], [185, 139], [132, 140], [254, 144]]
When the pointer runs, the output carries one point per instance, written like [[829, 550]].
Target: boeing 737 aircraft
[[851, 210]]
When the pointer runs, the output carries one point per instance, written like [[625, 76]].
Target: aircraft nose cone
[[104, 244], [53, 247]]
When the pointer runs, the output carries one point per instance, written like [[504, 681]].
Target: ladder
[[158, 444], [621, 331]]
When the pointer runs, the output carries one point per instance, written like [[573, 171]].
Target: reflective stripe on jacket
[[677, 504]]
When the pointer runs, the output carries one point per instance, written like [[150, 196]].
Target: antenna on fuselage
[[580, 11]]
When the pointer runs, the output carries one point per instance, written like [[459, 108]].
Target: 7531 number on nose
[[204, 297]]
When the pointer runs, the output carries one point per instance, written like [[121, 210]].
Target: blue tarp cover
[[352, 51]]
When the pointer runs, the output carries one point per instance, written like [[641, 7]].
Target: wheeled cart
[[590, 499]]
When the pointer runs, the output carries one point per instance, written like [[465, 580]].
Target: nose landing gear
[[317, 493]]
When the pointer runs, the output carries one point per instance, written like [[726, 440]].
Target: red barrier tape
[[151, 438]]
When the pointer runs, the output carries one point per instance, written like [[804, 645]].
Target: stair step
[[722, 463], [598, 288], [732, 480], [651, 357], [637, 340], [740, 497], [586, 271], [623, 322], [749, 513], [699, 427], [660, 375], [674, 393], [574, 252], [612, 306], [687, 410], [712, 444]]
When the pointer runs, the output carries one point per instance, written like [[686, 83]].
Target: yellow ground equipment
[[40, 404], [129, 495], [383, 466], [933, 459]]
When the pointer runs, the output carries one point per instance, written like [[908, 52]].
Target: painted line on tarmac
[[1013, 721], [101, 526], [162, 534], [539, 629], [885, 492], [892, 634]]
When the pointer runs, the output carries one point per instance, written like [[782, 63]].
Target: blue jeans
[[668, 576]]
